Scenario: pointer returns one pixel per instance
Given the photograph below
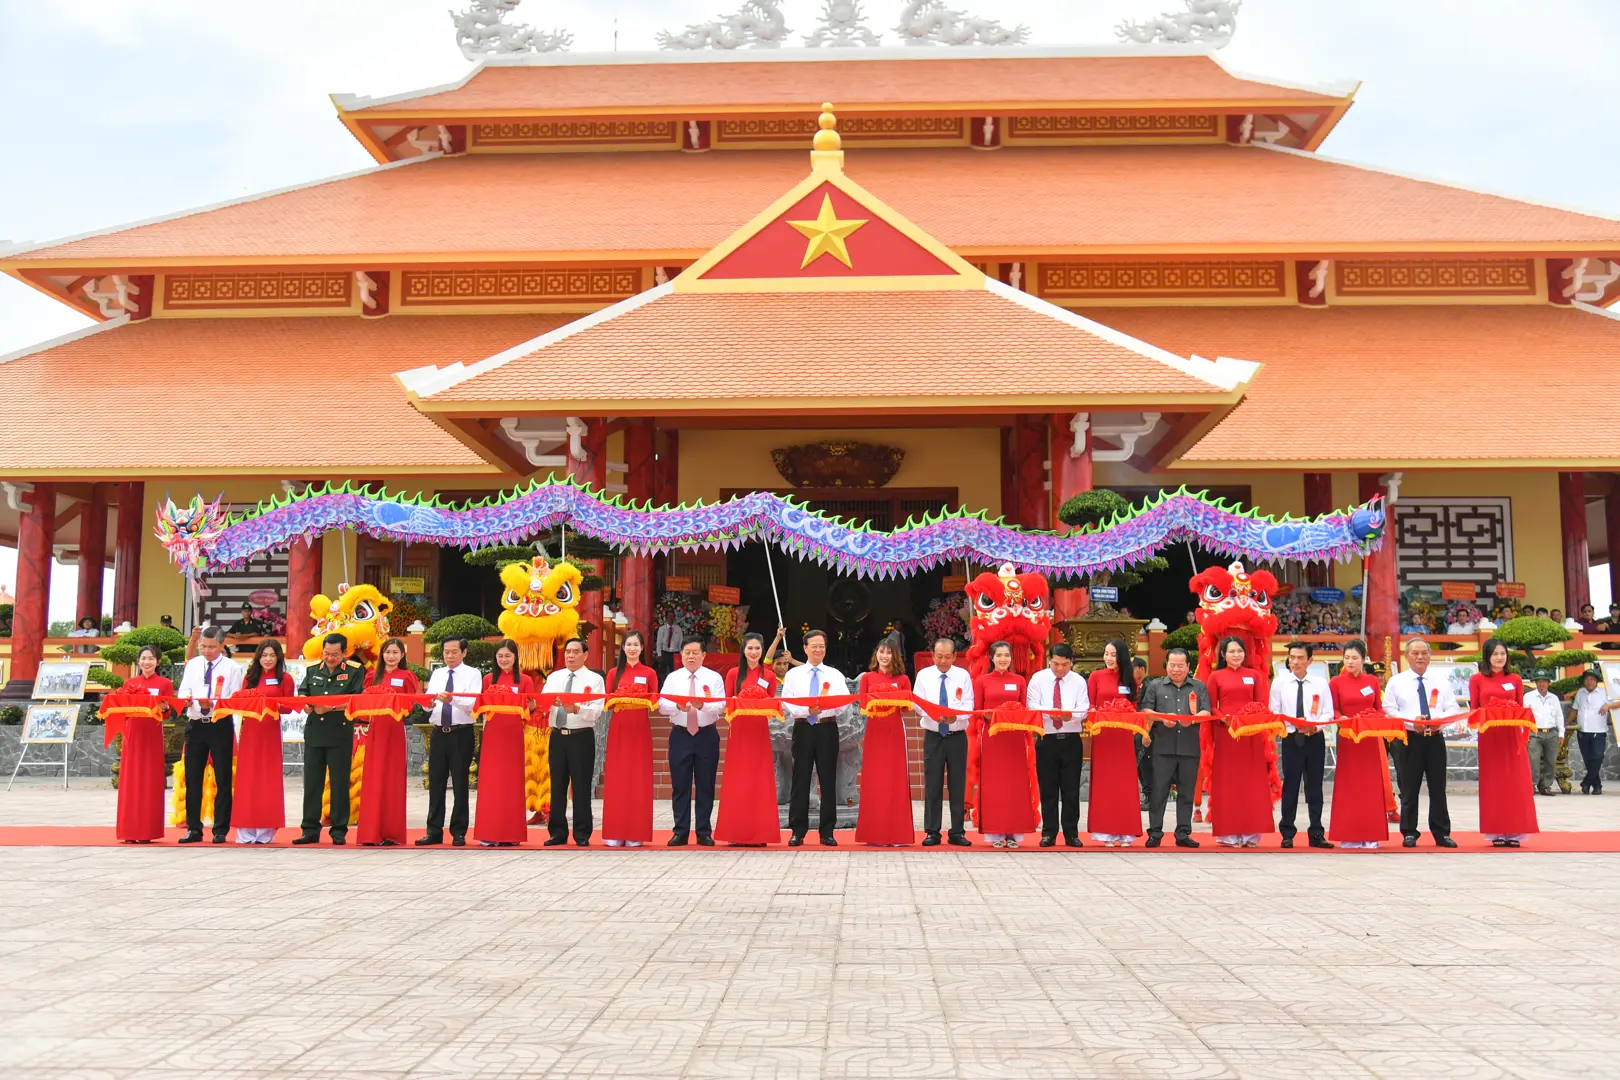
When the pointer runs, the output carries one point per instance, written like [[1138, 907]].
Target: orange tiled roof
[[1104, 199], [1360, 386], [888, 350], [666, 85], [285, 396]]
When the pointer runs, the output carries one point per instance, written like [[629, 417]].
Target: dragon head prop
[[1011, 607], [1234, 602], [542, 609], [188, 532], [360, 614]]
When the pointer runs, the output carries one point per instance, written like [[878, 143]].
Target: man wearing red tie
[[1304, 749], [209, 676], [1417, 694], [694, 744]]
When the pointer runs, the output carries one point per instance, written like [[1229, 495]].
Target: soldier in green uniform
[[329, 738]]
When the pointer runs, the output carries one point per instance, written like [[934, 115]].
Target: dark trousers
[[206, 740], [815, 746], [1182, 771], [1422, 758], [944, 755], [1058, 762], [1304, 757], [1144, 767], [573, 761], [450, 754], [693, 762], [1592, 746], [319, 761]]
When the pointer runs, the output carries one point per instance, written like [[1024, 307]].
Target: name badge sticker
[[152, 690], [1248, 680], [1010, 686], [1507, 686], [641, 680], [396, 681], [1366, 691]]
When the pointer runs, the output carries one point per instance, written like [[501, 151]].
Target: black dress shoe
[[1288, 842], [798, 841], [828, 840], [1048, 841], [705, 841], [1444, 841], [427, 840], [1408, 841], [339, 839], [677, 841], [555, 841], [458, 841], [1072, 841], [957, 840], [1513, 843], [578, 842], [219, 838], [311, 838], [931, 840], [1186, 841], [191, 838], [1321, 842], [1154, 841]]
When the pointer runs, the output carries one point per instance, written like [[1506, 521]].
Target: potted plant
[[1102, 622]]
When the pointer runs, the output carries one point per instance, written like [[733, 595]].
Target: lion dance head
[[1011, 607], [1233, 602], [359, 613], [542, 609]]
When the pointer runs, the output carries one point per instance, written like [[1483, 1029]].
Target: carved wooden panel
[[1447, 539], [1115, 127], [1434, 277], [573, 132], [799, 130], [1100, 280], [490, 285], [228, 590], [249, 289]]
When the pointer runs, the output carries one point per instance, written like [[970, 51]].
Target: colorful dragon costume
[[1015, 608], [542, 612], [1233, 602]]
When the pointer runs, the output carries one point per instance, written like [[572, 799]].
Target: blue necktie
[[1423, 698], [815, 689], [944, 725]]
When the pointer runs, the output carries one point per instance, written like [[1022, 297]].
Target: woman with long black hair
[[382, 774], [140, 765], [1114, 810], [500, 819], [1240, 784], [748, 816], [259, 806], [627, 792]]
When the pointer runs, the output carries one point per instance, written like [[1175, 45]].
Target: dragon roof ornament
[[482, 31]]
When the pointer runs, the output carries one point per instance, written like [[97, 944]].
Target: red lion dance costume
[[1234, 603], [1015, 608]]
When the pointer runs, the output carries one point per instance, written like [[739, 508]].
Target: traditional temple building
[[564, 264]]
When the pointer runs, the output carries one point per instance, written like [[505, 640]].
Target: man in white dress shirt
[[455, 687], [1059, 692], [573, 745], [1593, 709], [694, 744], [945, 743], [815, 740], [1549, 713], [1300, 694], [1413, 695], [209, 676]]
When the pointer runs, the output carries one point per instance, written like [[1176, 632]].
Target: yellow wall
[[967, 459]]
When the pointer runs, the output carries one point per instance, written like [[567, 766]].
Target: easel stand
[[67, 748]]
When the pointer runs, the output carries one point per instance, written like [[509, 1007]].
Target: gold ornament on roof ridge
[[827, 138]]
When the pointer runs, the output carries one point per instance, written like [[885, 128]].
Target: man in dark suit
[[329, 738], [1174, 745]]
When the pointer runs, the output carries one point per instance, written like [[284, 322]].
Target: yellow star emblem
[[827, 234]]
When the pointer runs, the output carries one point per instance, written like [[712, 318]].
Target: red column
[[303, 582], [1034, 501], [1577, 552], [92, 554], [1611, 520], [635, 571], [666, 484], [1318, 501], [1009, 476], [1071, 476], [1380, 595], [35, 532], [592, 471], [127, 553]]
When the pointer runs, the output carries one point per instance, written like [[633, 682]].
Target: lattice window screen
[[1454, 539]]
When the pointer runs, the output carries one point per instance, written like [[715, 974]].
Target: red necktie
[[1057, 701]]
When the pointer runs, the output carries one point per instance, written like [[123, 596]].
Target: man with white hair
[[1418, 697]]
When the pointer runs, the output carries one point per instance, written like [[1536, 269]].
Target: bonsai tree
[[170, 641], [1526, 634], [504, 555], [1091, 511], [480, 653], [1184, 637]]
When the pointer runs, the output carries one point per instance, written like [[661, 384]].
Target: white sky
[[119, 110]]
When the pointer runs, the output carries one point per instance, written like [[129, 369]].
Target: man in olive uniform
[[329, 738], [1174, 745]]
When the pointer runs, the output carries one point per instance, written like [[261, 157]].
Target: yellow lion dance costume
[[360, 614], [542, 611]]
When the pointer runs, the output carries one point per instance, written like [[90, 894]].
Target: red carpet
[[103, 836]]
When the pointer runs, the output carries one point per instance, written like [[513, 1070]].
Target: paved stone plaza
[[222, 962]]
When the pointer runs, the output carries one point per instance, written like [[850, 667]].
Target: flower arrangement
[[683, 609], [722, 623], [944, 618]]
